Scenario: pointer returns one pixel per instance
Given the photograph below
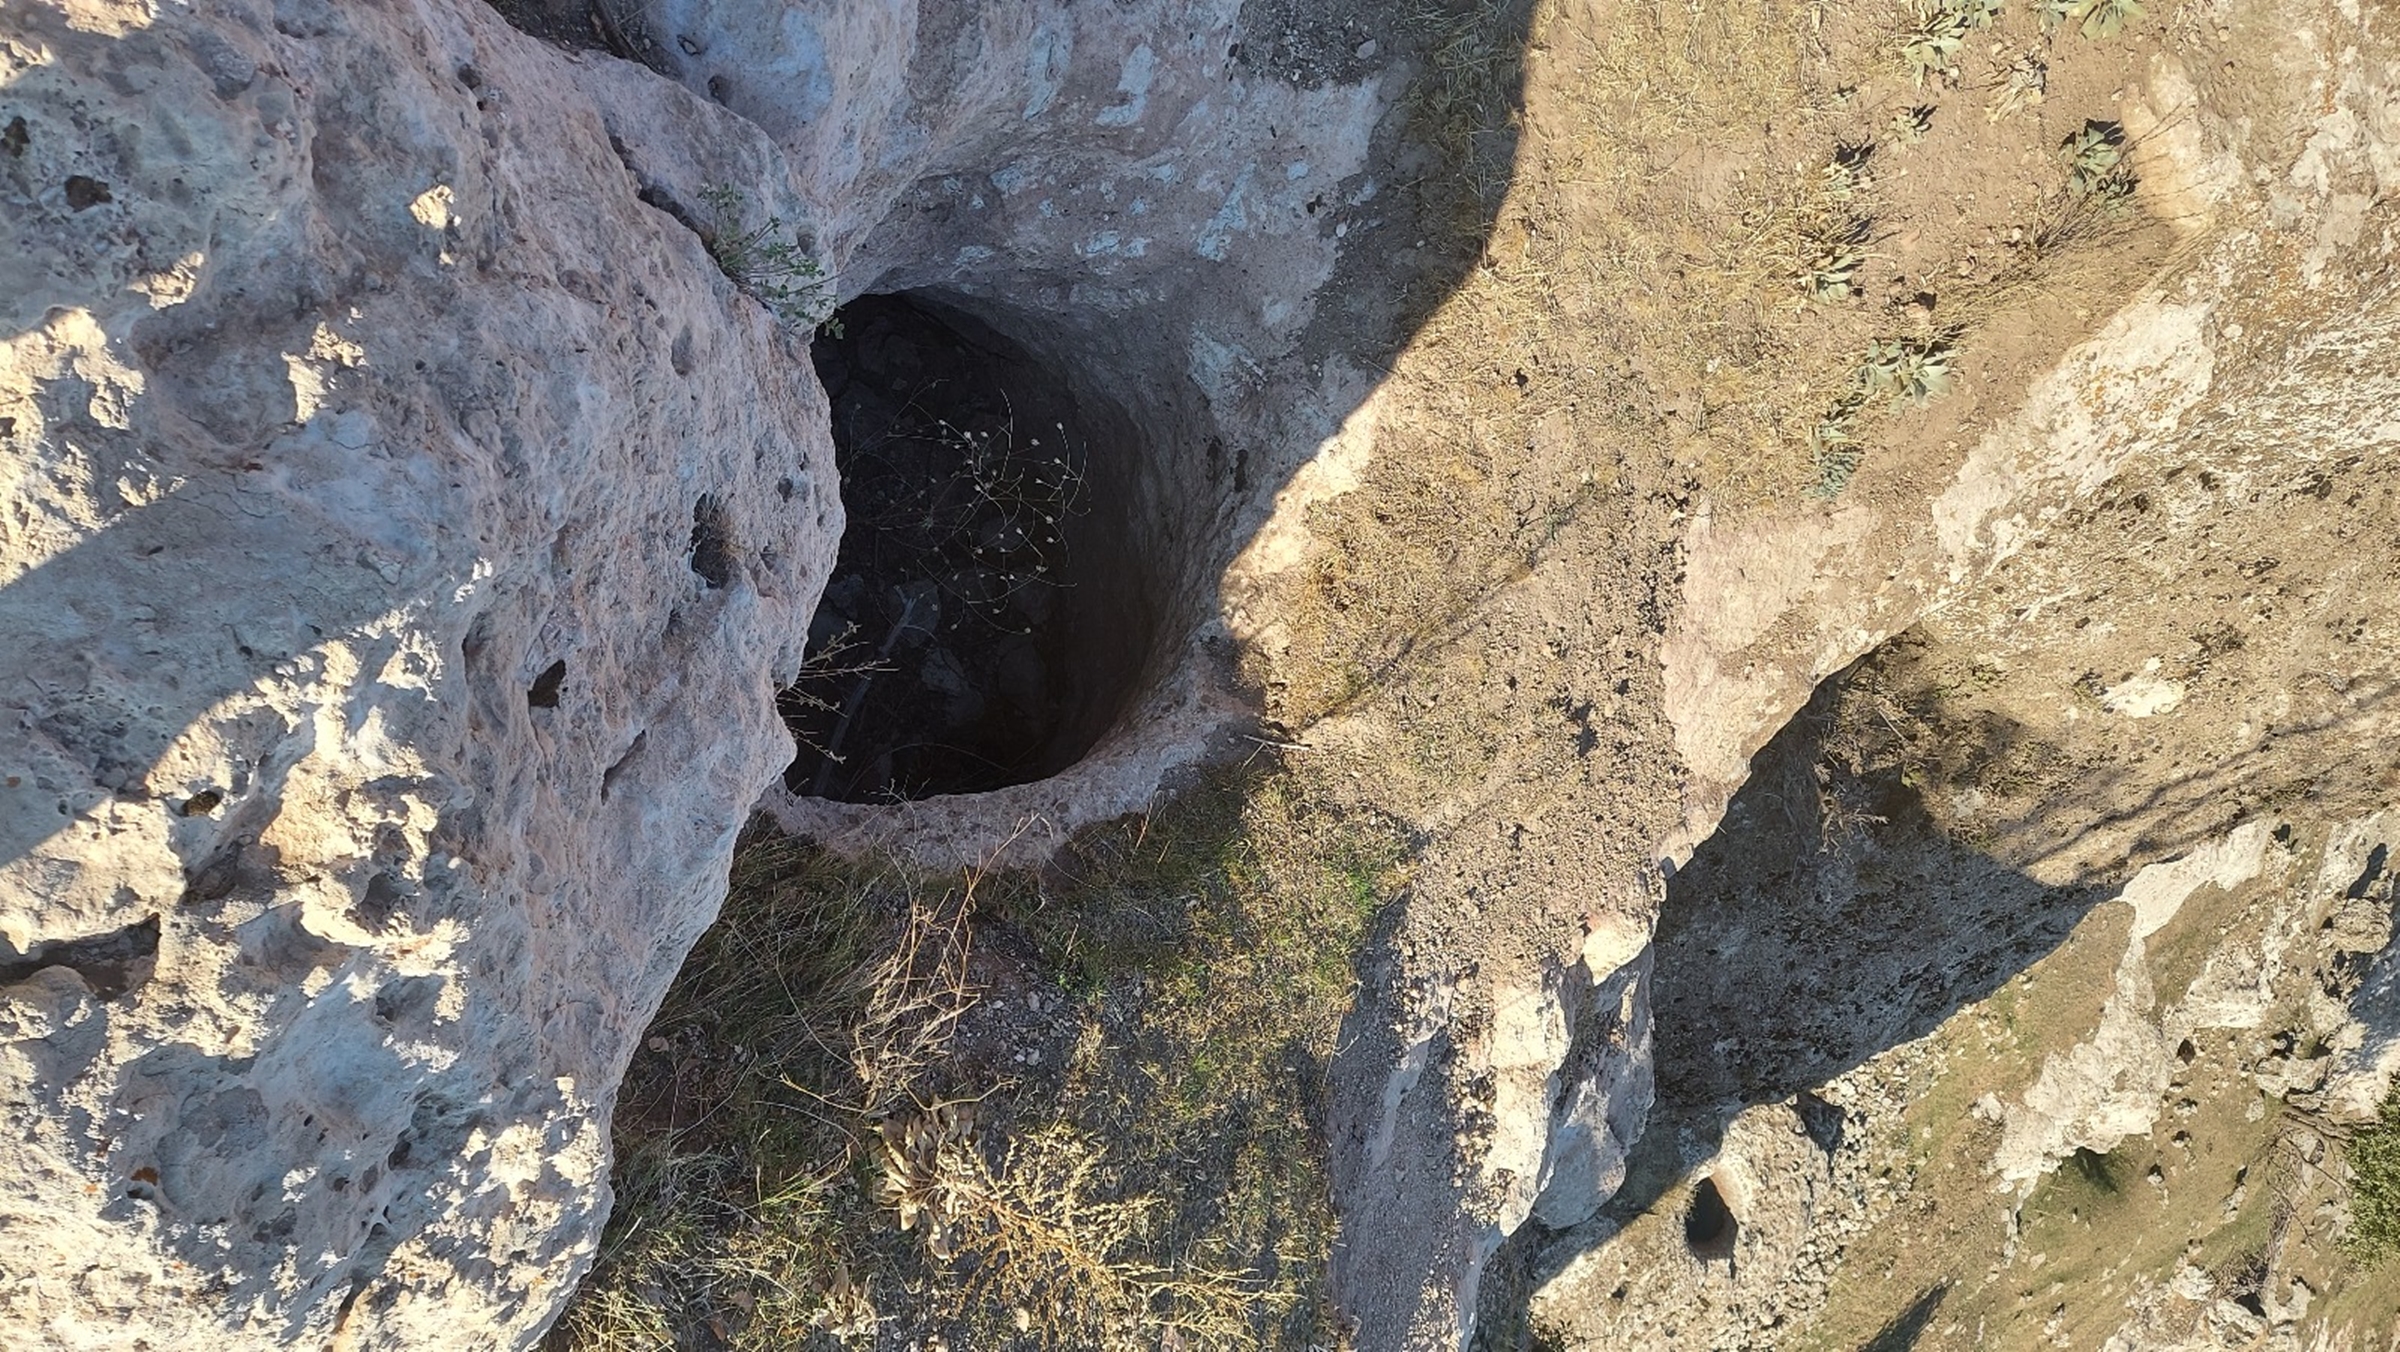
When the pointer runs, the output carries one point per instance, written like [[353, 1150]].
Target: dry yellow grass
[[806, 1157]]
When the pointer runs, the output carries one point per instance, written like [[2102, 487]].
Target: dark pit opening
[[986, 620], [1709, 1227]]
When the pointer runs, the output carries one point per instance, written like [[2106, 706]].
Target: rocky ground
[[1726, 684]]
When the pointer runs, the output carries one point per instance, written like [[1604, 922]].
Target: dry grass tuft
[[810, 1155], [1039, 1236], [1464, 109], [824, 996], [1215, 942]]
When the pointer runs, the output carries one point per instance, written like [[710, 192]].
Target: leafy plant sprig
[[2100, 19], [1905, 369], [2107, 18], [776, 269], [2095, 158], [2055, 14], [1835, 448], [1830, 267], [1931, 53], [1831, 230], [1931, 48], [1894, 370]]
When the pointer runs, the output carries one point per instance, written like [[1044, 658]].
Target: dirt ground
[[1474, 642]]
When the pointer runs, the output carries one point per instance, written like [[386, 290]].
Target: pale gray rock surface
[[407, 530], [410, 527]]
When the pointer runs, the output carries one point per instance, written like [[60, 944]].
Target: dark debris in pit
[[940, 648]]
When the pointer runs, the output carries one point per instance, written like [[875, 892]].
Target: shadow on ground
[[1909, 1325], [1830, 918]]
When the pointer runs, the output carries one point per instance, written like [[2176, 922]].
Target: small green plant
[[1894, 370], [1931, 48], [1931, 53], [2374, 1158], [1907, 370], [2028, 78], [2095, 158], [1823, 233], [1909, 125], [2100, 19], [2054, 13], [775, 268], [2107, 18], [1831, 262], [1843, 177], [1835, 449]]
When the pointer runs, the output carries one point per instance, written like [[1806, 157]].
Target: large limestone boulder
[[409, 526], [407, 529]]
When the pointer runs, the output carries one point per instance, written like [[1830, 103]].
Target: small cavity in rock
[[1709, 1227]]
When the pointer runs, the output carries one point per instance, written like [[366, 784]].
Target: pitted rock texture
[[410, 526], [374, 740]]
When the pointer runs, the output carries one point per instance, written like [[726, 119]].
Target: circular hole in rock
[[1709, 1227], [985, 622]]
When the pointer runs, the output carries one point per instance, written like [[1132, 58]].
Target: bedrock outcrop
[[409, 526], [2157, 593]]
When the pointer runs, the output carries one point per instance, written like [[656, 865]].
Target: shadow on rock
[[1830, 918], [1902, 1333]]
